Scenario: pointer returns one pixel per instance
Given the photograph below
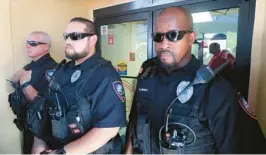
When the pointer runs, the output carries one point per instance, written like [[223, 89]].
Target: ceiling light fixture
[[202, 17]]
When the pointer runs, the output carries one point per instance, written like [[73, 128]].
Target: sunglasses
[[76, 35], [34, 43], [172, 36]]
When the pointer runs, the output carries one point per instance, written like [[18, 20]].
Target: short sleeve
[[108, 108]]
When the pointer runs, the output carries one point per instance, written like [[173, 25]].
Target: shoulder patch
[[244, 105], [119, 90]]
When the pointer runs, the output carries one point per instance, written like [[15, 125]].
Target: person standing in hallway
[[219, 58], [31, 81]]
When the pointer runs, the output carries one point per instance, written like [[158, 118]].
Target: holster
[[18, 104], [37, 118]]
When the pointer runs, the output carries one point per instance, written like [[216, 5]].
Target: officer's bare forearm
[[91, 141], [128, 146], [38, 146], [30, 92]]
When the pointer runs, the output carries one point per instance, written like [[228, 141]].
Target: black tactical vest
[[67, 121], [145, 140]]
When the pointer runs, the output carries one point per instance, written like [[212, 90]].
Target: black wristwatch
[[44, 152], [24, 85], [60, 151]]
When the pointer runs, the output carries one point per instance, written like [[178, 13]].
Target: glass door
[[124, 40], [125, 45], [217, 26]]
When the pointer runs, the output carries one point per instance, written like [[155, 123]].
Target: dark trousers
[[27, 142]]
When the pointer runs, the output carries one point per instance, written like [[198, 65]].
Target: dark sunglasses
[[34, 43], [76, 35], [172, 36]]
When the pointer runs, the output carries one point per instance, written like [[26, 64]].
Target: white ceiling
[[223, 21]]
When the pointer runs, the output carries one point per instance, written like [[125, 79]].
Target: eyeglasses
[[172, 36], [34, 43], [76, 35]]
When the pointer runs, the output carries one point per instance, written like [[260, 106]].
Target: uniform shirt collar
[[192, 66], [41, 60], [186, 73], [91, 61]]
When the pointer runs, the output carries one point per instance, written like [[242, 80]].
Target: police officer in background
[[86, 99], [206, 118], [31, 81]]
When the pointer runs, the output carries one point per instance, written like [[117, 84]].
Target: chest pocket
[[145, 95]]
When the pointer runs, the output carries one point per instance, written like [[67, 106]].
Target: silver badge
[[75, 76], [185, 95]]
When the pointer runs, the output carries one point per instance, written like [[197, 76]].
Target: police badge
[[75, 76], [186, 94]]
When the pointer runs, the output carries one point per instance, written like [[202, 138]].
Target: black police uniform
[[40, 83], [82, 97], [39, 67], [212, 113]]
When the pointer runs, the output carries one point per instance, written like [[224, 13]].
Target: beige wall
[[18, 18], [257, 89], [9, 135], [50, 16]]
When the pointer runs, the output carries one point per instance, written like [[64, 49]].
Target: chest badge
[[186, 95], [75, 76]]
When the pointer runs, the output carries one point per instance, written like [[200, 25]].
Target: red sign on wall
[[132, 56], [111, 39]]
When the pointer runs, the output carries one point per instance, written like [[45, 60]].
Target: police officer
[[31, 80], [205, 118], [86, 98]]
